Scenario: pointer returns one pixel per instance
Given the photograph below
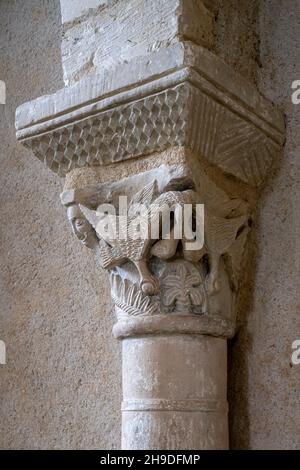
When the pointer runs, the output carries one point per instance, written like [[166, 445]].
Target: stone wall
[[61, 385], [265, 412]]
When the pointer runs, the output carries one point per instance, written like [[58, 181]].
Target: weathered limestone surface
[[61, 386], [272, 383], [101, 34], [177, 89], [180, 101], [264, 396], [178, 383], [170, 294], [71, 11]]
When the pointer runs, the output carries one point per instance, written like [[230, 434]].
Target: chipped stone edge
[[142, 77]]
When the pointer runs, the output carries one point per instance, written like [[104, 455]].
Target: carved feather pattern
[[115, 250], [220, 233], [145, 196]]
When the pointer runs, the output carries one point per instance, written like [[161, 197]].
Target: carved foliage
[[129, 299], [183, 288]]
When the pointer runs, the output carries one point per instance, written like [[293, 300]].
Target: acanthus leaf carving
[[129, 299]]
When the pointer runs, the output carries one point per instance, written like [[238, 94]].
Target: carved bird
[[116, 249], [220, 235]]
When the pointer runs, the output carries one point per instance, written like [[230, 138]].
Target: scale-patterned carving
[[182, 115], [137, 128]]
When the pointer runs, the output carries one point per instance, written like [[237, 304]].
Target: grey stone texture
[[61, 385], [78, 8], [265, 407], [185, 376], [113, 32], [152, 103]]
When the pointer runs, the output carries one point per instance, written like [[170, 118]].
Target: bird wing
[[145, 196], [220, 233]]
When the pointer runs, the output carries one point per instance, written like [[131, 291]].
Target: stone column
[[169, 127], [174, 392]]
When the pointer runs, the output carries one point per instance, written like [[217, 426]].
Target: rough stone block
[[106, 33]]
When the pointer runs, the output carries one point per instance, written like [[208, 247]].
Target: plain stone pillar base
[[174, 392]]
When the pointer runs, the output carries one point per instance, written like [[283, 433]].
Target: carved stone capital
[[170, 128], [164, 282], [182, 104]]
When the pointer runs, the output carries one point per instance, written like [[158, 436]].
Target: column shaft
[[174, 392]]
